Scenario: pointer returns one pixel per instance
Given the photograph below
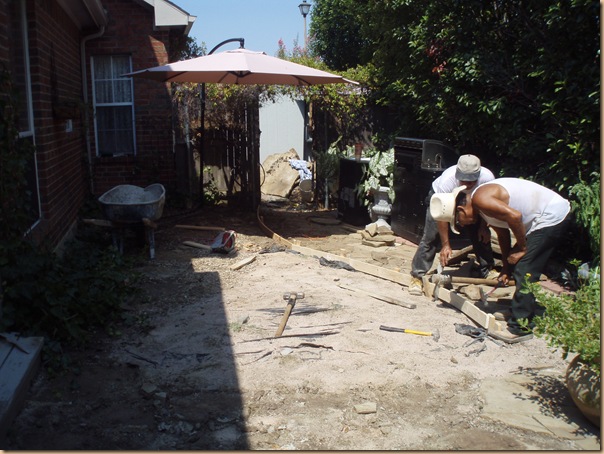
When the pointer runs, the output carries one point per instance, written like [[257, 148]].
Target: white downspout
[[83, 42]]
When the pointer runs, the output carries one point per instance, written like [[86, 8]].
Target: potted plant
[[571, 323]]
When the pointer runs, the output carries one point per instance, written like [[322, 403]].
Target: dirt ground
[[198, 366]]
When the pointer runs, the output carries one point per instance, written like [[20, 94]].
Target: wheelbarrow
[[126, 206]]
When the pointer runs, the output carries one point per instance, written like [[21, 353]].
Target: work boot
[[502, 315], [416, 287], [512, 335]]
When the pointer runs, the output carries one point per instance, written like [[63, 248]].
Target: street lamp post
[[304, 10]]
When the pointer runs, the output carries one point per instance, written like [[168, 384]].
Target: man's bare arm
[[492, 200], [445, 251]]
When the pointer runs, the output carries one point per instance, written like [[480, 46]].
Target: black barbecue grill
[[418, 162]]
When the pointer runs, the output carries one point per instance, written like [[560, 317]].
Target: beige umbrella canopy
[[240, 66]]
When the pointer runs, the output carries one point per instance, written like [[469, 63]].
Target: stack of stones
[[378, 234]]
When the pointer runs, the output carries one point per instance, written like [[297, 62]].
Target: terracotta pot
[[584, 387]]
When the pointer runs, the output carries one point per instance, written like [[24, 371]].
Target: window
[[113, 105]]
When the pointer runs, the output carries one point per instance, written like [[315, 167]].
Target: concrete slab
[[538, 402]]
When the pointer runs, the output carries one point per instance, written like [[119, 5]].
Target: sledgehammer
[[291, 298], [444, 279]]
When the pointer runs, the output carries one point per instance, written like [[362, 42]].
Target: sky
[[261, 23]]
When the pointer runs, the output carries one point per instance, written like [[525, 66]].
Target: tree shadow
[[551, 395]]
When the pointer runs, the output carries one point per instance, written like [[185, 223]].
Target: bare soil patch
[[198, 367]]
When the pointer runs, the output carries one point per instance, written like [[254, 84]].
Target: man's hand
[[504, 278], [516, 253], [445, 254]]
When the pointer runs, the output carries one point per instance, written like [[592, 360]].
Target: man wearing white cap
[[469, 173], [538, 217]]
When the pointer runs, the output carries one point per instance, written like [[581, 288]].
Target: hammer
[[484, 296], [435, 336], [444, 279], [291, 298]]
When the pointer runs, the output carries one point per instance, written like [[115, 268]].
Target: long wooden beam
[[451, 297], [358, 265], [467, 307]]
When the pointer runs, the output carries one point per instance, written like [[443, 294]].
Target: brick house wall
[[56, 82], [68, 171], [154, 161]]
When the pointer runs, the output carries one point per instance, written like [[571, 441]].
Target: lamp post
[[304, 10]]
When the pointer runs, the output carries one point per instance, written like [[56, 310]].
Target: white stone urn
[[584, 387], [382, 207]]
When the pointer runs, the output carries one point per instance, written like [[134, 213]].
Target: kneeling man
[[538, 217]]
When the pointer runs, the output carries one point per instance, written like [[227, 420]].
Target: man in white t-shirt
[[469, 173], [538, 217]]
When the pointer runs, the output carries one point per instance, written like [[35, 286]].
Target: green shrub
[[586, 207], [572, 321], [62, 298]]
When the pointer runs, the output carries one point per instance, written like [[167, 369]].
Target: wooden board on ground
[[242, 263], [358, 265], [199, 227], [377, 296], [468, 308], [197, 245]]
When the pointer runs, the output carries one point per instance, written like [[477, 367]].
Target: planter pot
[[382, 207], [584, 388]]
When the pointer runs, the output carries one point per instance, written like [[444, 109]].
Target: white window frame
[[112, 104]]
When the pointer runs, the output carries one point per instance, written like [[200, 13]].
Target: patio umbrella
[[240, 66]]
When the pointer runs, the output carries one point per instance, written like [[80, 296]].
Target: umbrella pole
[[202, 129], [241, 42]]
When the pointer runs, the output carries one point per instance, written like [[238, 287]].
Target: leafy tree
[[335, 33], [515, 82]]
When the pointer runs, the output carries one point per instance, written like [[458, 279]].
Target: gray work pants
[[430, 244]]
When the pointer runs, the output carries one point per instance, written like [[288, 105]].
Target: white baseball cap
[[468, 168], [442, 207]]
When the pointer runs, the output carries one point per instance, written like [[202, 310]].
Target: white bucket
[[306, 190]]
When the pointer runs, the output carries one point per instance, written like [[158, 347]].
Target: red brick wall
[[57, 92], [56, 82], [154, 160]]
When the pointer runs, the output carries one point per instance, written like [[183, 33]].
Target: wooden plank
[[453, 298], [363, 267], [198, 227], [377, 296], [149, 223], [197, 245], [98, 222], [358, 265], [16, 372], [242, 263], [460, 255]]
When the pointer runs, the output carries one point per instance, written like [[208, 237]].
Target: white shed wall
[[282, 127]]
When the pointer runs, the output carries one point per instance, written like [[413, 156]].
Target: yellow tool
[[435, 335]]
